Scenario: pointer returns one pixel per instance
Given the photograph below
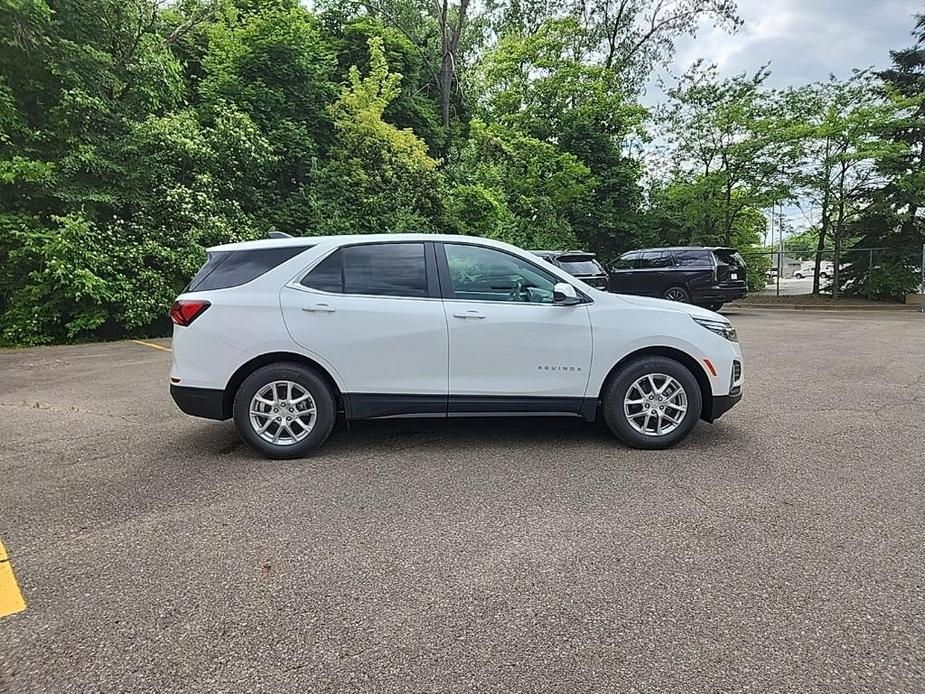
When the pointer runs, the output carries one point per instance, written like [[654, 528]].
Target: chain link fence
[[872, 273]]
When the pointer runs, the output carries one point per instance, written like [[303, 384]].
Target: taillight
[[185, 311]]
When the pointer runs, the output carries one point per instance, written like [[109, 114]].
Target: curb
[[897, 308]]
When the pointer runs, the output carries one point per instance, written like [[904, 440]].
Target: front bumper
[[199, 402], [723, 403]]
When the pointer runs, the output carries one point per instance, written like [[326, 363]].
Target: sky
[[804, 40]]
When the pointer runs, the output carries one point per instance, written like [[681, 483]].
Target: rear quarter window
[[224, 269], [729, 256], [693, 258], [581, 265]]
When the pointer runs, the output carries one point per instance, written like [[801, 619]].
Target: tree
[[835, 126], [437, 30], [629, 37], [728, 135], [535, 86], [893, 216], [378, 177], [530, 188]]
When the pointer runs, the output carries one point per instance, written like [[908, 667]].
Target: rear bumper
[[199, 402], [723, 403], [720, 294]]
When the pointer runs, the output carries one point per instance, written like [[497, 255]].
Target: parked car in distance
[[708, 277], [808, 269], [579, 264], [282, 335]]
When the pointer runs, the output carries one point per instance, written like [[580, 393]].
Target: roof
[[682, 248], [560, 253], [345, 239]]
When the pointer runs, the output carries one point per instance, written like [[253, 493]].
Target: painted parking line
[[152, 345], [11, 600]]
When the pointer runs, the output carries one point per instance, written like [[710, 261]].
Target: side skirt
[[382, 405]]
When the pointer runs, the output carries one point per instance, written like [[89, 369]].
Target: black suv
[[692, 274], [578, 264]]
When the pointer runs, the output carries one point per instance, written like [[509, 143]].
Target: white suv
[[285, 333]]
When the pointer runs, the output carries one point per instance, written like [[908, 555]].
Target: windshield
[[580, 266]]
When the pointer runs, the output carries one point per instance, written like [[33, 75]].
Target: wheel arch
[[250, 366], [692, 365]]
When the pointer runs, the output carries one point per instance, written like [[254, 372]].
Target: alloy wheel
[[655, 404], [282, 413]]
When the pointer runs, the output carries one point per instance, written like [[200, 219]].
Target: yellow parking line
[[152, 345], [11, 600]]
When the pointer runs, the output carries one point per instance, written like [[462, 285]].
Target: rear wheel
[[284, 410], [679, 294], [653, 402], [715, 306]]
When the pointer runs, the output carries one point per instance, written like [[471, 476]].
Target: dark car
[[707, 277], [579, 264]]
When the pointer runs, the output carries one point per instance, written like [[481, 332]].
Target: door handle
[[471, 313], [319, 308]]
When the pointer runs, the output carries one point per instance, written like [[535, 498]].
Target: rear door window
[[224, 269], [653, 260], [385, 269], [376, 269]]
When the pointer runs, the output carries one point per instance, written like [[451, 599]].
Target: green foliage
[[134, 134], [531, 188], [379, 177]]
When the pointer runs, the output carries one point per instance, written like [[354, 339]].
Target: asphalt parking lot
[[780, 550]]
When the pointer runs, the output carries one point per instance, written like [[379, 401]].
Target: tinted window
[[626, 261], [485, 274], [580, 265], [656, 259], [328, 275], [693, 258], [225, 269], [386, 269], [729, 256]]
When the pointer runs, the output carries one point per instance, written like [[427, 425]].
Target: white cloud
[[804, 40]]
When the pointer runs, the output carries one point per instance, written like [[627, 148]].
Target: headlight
[[720, 327]]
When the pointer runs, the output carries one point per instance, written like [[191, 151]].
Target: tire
[[307, 433], [677, 293], [715, 306], [798, 275], [623, 386]]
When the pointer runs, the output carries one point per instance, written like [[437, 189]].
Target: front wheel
[[653, 402], [284, 410]]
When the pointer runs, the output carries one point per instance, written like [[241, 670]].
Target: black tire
[[312, 382], [612, 405], [677, 293], [797, 275], [715, 306]]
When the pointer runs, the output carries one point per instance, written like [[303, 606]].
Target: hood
[[665, 305]]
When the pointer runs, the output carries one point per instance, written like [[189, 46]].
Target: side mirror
[[565, 294]]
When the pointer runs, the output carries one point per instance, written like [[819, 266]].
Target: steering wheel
[[517, 293]]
